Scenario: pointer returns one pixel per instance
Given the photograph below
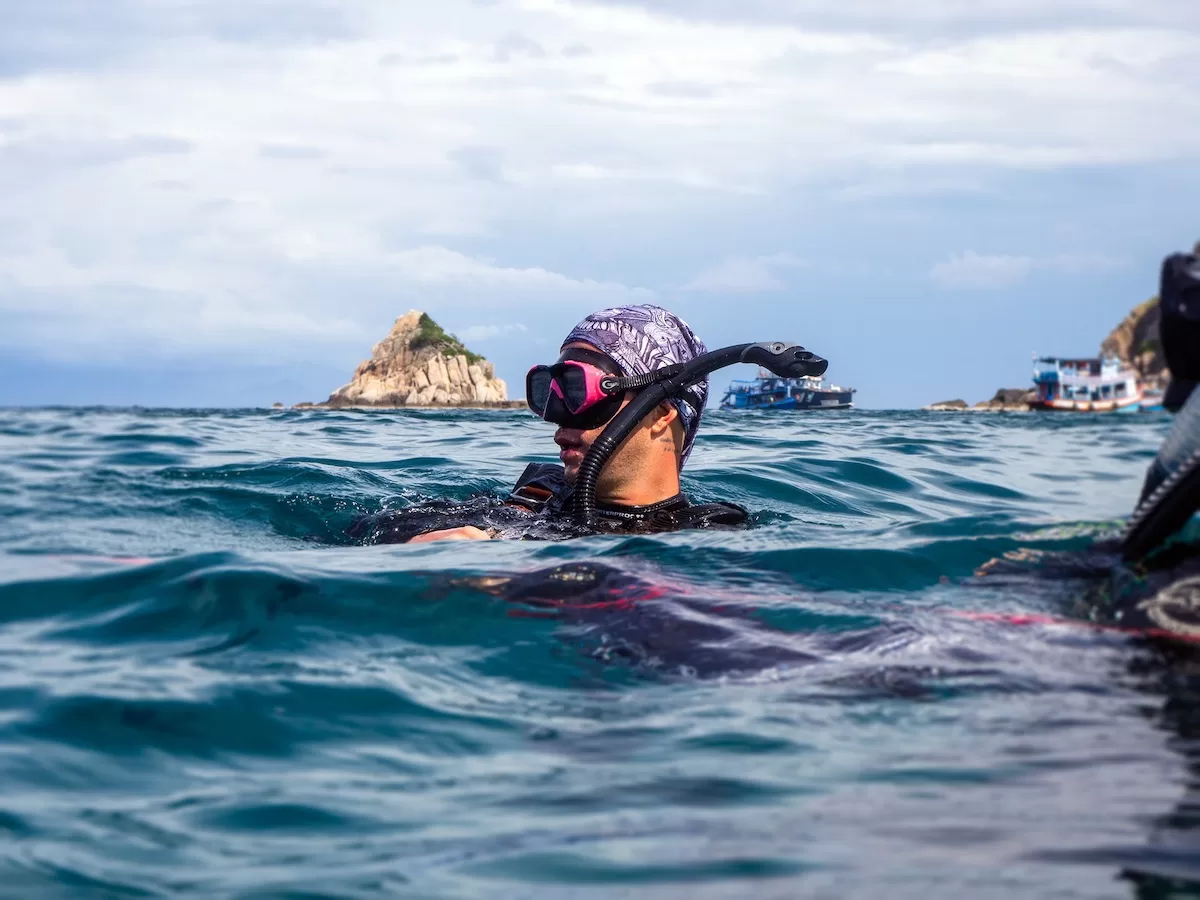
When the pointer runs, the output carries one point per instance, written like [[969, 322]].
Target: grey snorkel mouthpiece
[[783, 359]]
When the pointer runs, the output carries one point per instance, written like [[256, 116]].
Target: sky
[[220, 203]]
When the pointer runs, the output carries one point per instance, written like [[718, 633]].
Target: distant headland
[[419, 365], [1134, 342]]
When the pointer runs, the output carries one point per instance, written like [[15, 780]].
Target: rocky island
[[1134, 342], [419, 365]]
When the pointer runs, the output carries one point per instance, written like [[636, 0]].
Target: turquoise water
[[207, 690]]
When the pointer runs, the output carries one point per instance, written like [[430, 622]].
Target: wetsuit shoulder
[[540, 485], [709, 515]]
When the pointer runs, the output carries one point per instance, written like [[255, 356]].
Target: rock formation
[[1135, 341], [946, 406], [419, 364], [1008, 400], [1004, 400]]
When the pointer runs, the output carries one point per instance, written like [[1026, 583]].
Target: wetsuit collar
[[636, 513]]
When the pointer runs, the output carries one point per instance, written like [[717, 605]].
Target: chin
[[570, 472]]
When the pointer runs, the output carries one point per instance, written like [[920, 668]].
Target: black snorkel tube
[[785, 360]]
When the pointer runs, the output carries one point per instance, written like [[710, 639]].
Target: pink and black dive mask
[[582, 390]]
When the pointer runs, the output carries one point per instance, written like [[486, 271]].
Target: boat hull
[[1125, 404], [827, 400], [804, 401], [1152, 401]]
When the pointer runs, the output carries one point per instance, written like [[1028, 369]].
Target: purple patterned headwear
[[641, 339]]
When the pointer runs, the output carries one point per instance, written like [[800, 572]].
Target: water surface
[[207, 689]]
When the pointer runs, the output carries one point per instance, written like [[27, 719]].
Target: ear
[[664, 414]]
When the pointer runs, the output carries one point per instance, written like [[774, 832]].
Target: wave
[[208, 688]]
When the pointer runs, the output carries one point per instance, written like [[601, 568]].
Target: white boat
[[1085, 385]]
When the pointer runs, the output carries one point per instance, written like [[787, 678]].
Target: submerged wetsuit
[[539, 508]]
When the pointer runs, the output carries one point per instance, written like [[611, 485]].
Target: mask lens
[[537, 388], [573, 379]]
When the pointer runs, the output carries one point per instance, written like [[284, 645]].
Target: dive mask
[[582, 390]]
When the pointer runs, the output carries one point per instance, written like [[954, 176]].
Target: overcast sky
[[222, 202]]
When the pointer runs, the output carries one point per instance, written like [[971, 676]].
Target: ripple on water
[[207, 690]]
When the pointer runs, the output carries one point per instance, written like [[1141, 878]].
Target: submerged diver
[[627, 392]]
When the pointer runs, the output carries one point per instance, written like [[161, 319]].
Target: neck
[[643, 492]]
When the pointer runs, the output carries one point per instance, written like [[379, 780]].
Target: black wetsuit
[[539, 508]]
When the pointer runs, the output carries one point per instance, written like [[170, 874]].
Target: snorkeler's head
[[642, 339]]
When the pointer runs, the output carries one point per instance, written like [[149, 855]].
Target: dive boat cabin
[[1085, 385], [769, 391]]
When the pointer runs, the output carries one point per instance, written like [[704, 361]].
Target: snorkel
[[783, 359]]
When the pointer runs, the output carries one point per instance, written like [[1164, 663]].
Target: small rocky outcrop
[[1008, 400], [1004, 400], [946, 406], [419, 364]]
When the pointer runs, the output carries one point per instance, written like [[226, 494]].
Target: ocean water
[[207, 689]]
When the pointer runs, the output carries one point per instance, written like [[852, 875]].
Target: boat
[[769, 391], [1152, 400], [1085, 385]]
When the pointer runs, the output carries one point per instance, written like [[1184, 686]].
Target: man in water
[[639, 486]]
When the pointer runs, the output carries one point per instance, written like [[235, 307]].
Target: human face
[[644, 468], [574, 444]]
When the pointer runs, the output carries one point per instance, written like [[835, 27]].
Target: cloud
[[435, 265], [291, 151], [975, 271], [423, 59], [481, 163], [115, 322], [513, 45], [681, 90], [744, 275], [40, 35], [923, 18], [489, 332], [186, 177], [44, 152], [105, 307]]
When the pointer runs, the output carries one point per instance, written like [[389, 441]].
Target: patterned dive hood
[[642, 339]]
